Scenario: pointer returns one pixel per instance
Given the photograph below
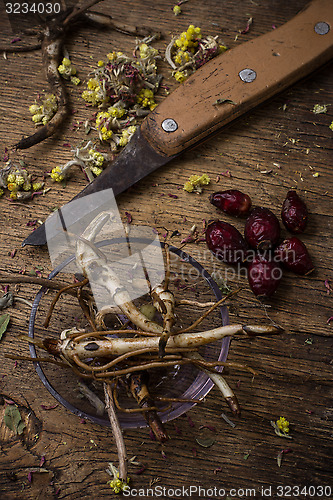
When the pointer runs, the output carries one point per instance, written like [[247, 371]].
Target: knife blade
[[216, 94]]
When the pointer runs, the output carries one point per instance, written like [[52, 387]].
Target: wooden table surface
[[279, 146]]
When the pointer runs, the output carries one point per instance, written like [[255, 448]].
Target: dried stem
[[22, 48], [199, 320], [39, 360], [178, 400], [195, 303], [143, 366], [79, 9], [85, 308], [55, 285], [130, 410], [117, 434], [210, 365], [220, 383], [57, 297]]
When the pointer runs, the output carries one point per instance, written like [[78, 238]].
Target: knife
[[246, 75]]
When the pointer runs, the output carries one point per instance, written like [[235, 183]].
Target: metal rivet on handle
[[247, 75], [169, 125], [322, 28]]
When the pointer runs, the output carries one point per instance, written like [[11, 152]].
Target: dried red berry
[[264, 275], [232, 202], [226, 242], [294, 213], [262, 229], [294, 256]]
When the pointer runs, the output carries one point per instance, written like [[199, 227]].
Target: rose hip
[[294, 213], [262, 229], [264, 276], [232, 202], [294, 256], [226, 242]]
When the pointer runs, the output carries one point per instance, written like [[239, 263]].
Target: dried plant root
[[87, 257], [262, 330], [127, 29], [221, 384], [56, 298], [52, 49], [92, 398], [38, 359], [211, 365], [164, 302], [117, 346], [85, 309], [133, 369], [115, 426], [22, 48], [46, 283], [129, 410], [211, 309], [139, 390], [104, 311], [195, 303]]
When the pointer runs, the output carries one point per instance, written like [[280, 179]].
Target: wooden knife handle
[[278, 58]]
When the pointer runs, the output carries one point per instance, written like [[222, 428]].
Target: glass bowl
[[189, 280]]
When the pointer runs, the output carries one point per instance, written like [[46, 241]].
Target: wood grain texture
[[279, 146]]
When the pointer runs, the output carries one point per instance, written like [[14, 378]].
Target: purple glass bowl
[[187, 383]]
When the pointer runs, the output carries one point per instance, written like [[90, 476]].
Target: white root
[[92, 398], [93, 263], [104, 311], [117, 346], [220, 383], [164, 301]]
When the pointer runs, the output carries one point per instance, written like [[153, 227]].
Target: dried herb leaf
[[279, 458], [20, 428], [224, 101], [4, 320], [6, 300], [205, 442], [13, 420]]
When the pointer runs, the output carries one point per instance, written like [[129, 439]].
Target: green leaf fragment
[[13, 420], [20, 428], [4, 320]]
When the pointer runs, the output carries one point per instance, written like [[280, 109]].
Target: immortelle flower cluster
[[190, 50], [20, 184], [123, 88]]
